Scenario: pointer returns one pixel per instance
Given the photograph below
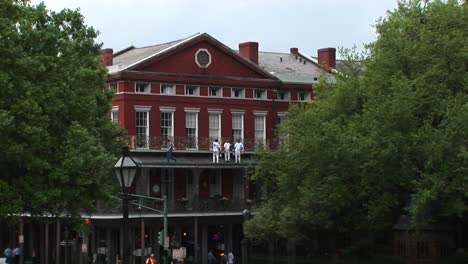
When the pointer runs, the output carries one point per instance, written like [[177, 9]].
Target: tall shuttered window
[[191, 129], [238, 127], [142, 129]]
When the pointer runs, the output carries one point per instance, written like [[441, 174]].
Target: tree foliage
[[56, 143], [387, 142]]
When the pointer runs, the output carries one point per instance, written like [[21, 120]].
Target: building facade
[[194, 91]]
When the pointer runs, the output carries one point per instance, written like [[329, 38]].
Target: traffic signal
[[161, 238]]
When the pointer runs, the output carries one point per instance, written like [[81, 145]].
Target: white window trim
[[142, 108], [196, 92], [215, 111], [167, 109], [307, 96], [220, 91], [238, 112], [147, 110], [173, 89], [241, 113], [242, 95], [288, 96], [264, 94], [196, 111], [146, 92], [262, 114], [219, 113], [192, 110], [115, 110], [209, 58]]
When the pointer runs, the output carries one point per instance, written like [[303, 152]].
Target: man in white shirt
[[227, 151], [238, 148], [216, 148]]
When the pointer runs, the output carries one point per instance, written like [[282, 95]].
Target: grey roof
[[291, 68], [134, 55], [287, 67]]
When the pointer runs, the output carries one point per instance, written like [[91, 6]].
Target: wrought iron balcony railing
[[192, 143]]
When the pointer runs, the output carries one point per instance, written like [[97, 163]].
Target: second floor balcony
[[191, 143]]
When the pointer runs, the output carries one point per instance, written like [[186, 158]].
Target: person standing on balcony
[[227, 151], [238, 148], [216, 148], [170, 149]]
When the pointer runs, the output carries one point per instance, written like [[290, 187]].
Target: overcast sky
[[276, 25]]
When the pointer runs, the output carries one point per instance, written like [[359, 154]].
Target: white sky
[[276, 25]]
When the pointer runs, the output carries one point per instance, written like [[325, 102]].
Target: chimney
[[249, 50], [106, 57], [326, 57], [294, 51]]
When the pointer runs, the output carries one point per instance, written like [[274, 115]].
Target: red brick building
[[193, 91]]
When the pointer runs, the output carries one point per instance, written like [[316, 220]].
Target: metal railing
[[213, 204], [195, 143]]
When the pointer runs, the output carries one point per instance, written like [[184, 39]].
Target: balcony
[[195, 143], [183, 205]]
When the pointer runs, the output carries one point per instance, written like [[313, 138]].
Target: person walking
[[227, 151], [230, 258], [170, 149], [216, 148], [16, 255], [223, 258], [8, 254], [238, 149], [211, 258]]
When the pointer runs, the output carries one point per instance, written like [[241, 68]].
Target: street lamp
[[245, 241], [125, 170]]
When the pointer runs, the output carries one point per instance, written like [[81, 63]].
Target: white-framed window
[[167, 124], [283, 95], [192, 90], [237, 126], [168, 89], [259, 94], [214, 91], [214, 126], [303, 96], [281, 117], [142, 87], [142, 128], [191, 129], [115, 116], [259, 126], [237, 92], [281, 137]]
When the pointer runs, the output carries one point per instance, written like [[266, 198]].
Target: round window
[[203, 58]]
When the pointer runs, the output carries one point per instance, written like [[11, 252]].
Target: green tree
[[57, 146], [375, 145]]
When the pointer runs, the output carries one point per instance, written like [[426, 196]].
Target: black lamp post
[[125, 170], [245, 242]]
